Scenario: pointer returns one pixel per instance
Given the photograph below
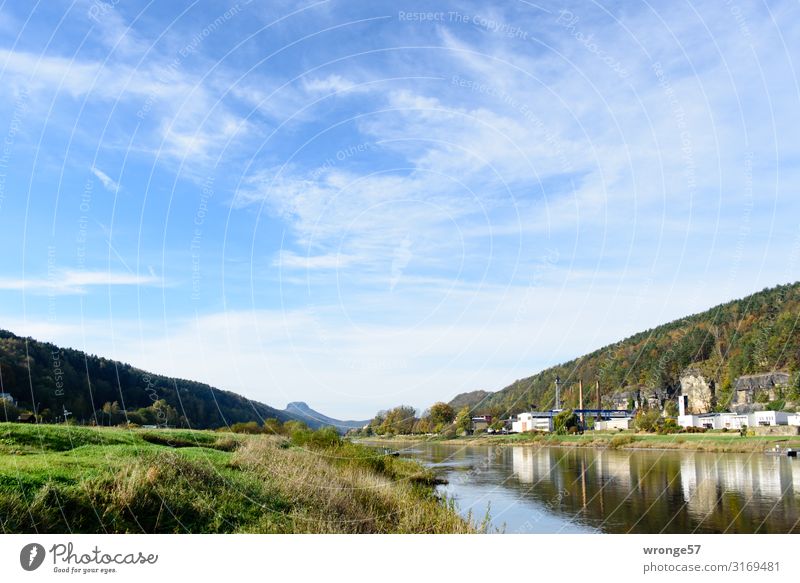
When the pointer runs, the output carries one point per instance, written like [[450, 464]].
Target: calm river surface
[[548, 490]]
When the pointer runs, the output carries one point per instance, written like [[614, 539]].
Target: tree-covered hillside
[[473, 400], [756, 334], [44, 378]]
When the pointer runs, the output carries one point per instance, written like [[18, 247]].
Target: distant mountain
[[43, 376], [756, 334], [473, 400], [314, 419]]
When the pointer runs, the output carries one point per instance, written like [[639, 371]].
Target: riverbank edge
[[707, 443]]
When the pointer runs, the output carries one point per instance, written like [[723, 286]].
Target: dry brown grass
[[331, 492]]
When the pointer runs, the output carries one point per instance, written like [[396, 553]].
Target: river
[[576, 490]]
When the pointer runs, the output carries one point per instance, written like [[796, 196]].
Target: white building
[[533, 421], [709, 421], [736, 420], [613, 424], [723, 421], [793, 419], [769, 418]]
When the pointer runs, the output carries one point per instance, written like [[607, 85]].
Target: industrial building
[[533, 421], [737, 420]]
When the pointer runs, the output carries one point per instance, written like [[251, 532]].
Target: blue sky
[[358, 205]]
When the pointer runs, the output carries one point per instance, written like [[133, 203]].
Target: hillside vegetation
[[44, 377], [61, 478], [473, 400], [756, 334]]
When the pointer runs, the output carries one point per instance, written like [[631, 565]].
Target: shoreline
[[689, 442]]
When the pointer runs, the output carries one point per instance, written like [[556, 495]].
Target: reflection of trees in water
[[619, 491]]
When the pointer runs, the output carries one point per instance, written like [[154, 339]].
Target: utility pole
[[580, 400], [558, 399], [66, 414], [599, 405]]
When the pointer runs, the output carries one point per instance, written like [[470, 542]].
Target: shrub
[[669, 426], [621, 440], [695, 430], [291, 426], [648, 421], [321, 438], [777, 405], [250, 427], [564, 421]]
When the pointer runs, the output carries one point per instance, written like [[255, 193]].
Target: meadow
[[72, 479]]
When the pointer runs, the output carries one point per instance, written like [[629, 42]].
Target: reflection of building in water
[[531, 465], [705, 479], [614, 465]]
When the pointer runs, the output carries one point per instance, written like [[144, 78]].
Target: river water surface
[[548, 490]]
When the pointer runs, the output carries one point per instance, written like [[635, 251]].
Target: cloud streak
[[76, 282]]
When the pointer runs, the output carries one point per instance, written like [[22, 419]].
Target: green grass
[[730, 442], [57, 479]]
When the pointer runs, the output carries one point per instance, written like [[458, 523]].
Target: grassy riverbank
[[711, 442], [57, 479]]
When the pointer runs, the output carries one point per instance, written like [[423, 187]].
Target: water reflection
[[559, 489]]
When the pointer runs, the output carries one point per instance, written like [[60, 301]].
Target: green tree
[[165, 413], [441, 414], [463, 420], [400, 420], [648, 421], [422, 425], [564, 421], [8, 412]]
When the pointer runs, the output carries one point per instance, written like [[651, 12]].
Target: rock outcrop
[[624, 400], [752, 389], [700, 390]]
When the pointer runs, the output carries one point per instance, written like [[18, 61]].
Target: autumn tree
[[441, 414], [463, 420]]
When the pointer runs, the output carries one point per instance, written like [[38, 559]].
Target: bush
[[250, 427], [620, 440], [564, 421], [319, 439], [9, 412], [648, 421], [449, 432], [669, 426], [694, 430], [777, 405], [291, 426]]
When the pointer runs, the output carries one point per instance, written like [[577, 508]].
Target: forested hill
[[48, 378], [473, 400], [759, 333], [314, 419]]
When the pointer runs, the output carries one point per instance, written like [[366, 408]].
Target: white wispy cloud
[[76, 282], [105, 179], [291, 260]]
